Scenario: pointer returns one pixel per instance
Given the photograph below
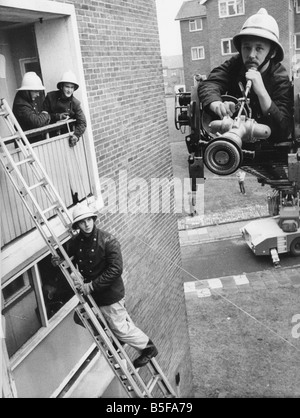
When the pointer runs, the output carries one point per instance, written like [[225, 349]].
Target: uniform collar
[[89, 237]]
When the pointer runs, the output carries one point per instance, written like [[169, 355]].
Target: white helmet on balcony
[[80, 212], [264, 26], [68, 77], [31, 81]]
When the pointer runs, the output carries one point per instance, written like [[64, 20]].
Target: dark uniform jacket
[[99, 259], [55, 103], [225, 80], [28, 112]]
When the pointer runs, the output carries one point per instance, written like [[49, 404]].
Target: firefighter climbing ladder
[[130, 378]]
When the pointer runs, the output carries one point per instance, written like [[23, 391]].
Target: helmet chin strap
[[267, 59]]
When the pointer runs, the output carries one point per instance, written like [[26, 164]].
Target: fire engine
[[224, 146]]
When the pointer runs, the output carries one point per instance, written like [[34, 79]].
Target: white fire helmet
[[80, 212], [68, 77], [264, 26], [31, 81]]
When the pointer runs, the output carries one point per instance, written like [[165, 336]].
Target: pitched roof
[[191, 8]]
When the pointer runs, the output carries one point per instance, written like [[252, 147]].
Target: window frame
[[8, 301], [10, 264], [230, 41], [47, 324], [24, 61], [297, 5], [59, 10], [197, 48], [227, 4], [296, 36], [197, 29]]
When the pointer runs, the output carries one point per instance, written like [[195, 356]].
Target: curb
[[205, 224], [286, 277], [208, 240]]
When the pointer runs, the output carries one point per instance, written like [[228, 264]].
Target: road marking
[[215, 283], [203, 293], [189, 287], [231, 282], [241, 279]]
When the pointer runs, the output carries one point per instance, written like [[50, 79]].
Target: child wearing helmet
[[27, 105], [61, 104], [258, 61]]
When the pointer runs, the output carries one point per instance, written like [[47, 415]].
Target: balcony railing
[[66, 167]]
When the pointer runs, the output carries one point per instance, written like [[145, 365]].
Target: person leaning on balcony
[[27, 105], [61, 104], [98, 257], [259, 60]]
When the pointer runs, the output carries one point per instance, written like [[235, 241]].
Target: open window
[[227, 47], [228, 8], [30, 300]]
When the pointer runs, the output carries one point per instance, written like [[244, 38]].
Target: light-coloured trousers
[[122, 325]]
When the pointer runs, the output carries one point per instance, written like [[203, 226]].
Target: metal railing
[[66, 166]]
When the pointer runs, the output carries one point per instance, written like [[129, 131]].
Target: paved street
[[243, 314], [227, 257], [244, 336]]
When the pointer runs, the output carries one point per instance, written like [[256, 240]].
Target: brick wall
[[189, 40], [123, 73], [216, 28], [230, 26]]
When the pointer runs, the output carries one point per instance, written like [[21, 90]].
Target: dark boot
[[146, 355]]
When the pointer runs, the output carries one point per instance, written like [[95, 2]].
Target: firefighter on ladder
[[98, 257]]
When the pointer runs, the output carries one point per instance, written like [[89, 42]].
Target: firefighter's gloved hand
[[87, 288], [56, 260], [63, 116], [73, 140], [77, 281]]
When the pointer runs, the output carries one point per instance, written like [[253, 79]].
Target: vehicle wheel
[[295, 247]]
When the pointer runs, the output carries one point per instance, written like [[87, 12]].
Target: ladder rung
[[9, 138], [41, 183], [152, 382], [26, 160], [90, 315], [129, 380], [50, 208]]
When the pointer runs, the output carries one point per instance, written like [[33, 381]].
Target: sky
[[169, 28]]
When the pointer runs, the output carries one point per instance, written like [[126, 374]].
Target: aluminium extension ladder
[[133, 383]]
